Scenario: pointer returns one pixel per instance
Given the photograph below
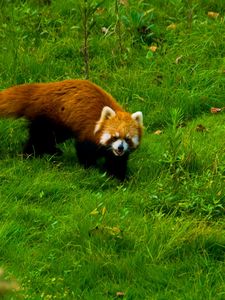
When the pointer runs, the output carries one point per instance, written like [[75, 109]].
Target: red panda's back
[[76, 104], [80, 105]]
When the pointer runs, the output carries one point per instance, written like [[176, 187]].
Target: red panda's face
[[120, 132]]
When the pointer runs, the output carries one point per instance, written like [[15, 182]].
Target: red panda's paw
[[116, 166]]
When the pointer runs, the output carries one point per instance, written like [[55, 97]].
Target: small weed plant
[[180, 156]]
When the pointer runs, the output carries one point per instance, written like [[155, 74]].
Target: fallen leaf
[[115, 230], [178, 59], [201, 128], [212, 14], [103, 210], [171, 26], [120, 294], [105, 30], [100, 10], [123, 2], [94, 212], [153, 48], [158, 132], [215, 110]]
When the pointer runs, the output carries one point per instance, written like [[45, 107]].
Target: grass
[[69, 233]]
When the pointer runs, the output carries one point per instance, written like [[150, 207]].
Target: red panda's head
[[119, 131]]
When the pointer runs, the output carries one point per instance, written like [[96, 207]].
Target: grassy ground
[[69, 233]]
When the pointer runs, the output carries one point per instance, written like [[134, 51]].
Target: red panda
[[76, 109]]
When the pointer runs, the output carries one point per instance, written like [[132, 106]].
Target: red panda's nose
[[120, 148]]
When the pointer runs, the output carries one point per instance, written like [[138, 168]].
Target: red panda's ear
[[138, 117], [107, 113]]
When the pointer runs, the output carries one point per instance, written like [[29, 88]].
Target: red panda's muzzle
[[119, 147]]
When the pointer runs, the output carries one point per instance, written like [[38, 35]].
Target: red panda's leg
[[116, 166], [86, 153], [41, 138]]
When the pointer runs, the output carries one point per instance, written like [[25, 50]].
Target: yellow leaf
[[100, 10], [178, 59], [153, 48], [115, 230], [94, 212], [105, 30], [212, 14], [172, 26], [158, 132], [123, 2], [103, 210], [120, 294]]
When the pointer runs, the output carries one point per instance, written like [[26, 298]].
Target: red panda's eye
[[113, 139]]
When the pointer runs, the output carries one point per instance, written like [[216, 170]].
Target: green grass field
[[70, 233]]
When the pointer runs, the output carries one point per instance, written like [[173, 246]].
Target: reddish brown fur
[[122, 123], [69, 108], [69, 102]]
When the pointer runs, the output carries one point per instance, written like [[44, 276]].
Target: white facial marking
[[105, 138], [135, 141], [119, 147], [117, 134]]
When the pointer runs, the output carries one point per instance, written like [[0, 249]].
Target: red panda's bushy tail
[[12, 102]]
